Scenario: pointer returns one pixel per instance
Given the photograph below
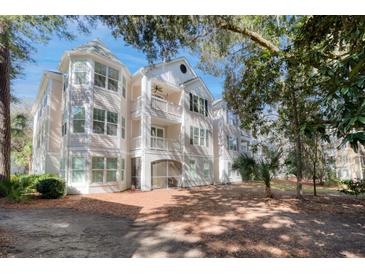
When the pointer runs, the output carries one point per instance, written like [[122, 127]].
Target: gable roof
[[179, 59]]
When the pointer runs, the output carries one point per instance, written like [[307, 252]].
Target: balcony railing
[[165, 106], [159, 143]]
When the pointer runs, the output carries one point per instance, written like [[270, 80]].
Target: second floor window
[[78, 119], [231, 143], [199, 136], [106, 77], [198, 104], [105, 122]]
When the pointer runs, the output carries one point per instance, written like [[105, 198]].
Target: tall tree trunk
[[4, 102], [268, 191], [298, 147], [314, 166]]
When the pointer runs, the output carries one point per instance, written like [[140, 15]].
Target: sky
[[48, 56]]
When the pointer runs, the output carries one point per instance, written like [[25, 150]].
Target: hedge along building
[[115, 130]]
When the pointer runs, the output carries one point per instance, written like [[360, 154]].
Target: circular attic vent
[[183, 68]]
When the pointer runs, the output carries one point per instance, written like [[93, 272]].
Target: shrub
[[12, 189], [353, 187], [51, 188]]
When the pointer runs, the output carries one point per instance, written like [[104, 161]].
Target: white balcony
[[158, 143], [160, 108], [165, 106]]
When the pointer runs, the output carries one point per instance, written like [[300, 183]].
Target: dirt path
[[226, 221]]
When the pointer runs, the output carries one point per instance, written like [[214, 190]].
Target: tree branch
[[254, 36]]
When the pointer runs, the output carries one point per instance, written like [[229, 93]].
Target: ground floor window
[[104, 170], [122, 169], [78, 168], [206, 169], [111, 169], [192, 167]]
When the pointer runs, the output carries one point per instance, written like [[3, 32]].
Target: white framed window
[[123, 128], [113, 79], [158, 132], [78, 119], [207, 138], [106, 77], [198, 104], [111, 169], [78, 168], [112, 123], [105, 122], [99, 121], [80, 72], [104, 169], [199, 136], [192, 167], [122, 169], [97, 166], [231, 143], [206, 169], [100, 75], [124, 86], [202, 137]]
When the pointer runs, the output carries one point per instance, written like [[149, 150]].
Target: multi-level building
[[229, 142], [104, 129], [350, 164]]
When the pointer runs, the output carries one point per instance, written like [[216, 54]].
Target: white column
[[145, 133]]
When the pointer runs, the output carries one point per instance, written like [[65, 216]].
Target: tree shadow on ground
[[214, 221], [228, 221]]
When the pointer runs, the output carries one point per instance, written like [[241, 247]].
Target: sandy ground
[[213, 221]]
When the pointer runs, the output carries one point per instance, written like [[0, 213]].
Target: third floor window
[[106, 77], [198, 104]]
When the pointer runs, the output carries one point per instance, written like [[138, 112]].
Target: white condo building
[[104, 129]]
